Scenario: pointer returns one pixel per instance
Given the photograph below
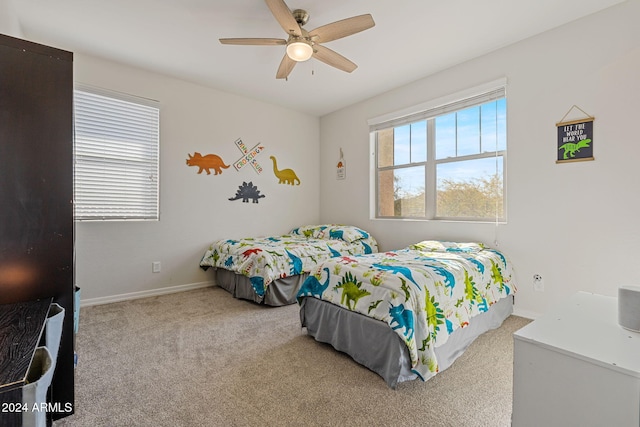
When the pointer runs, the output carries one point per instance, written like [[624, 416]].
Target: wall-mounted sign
[[341, 168], [248, 156], [575, 139]]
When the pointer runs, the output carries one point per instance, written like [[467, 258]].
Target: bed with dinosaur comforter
[[270, 270], [419, 307]]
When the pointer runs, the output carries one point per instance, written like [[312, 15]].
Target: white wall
[[575, 224], [9, 24], [572, 223], [114, 258]]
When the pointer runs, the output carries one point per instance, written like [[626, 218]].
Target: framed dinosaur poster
[[575, 140]]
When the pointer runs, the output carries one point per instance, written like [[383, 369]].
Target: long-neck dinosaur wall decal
[[285, 176]]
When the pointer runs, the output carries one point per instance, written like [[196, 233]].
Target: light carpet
[[203, 358]]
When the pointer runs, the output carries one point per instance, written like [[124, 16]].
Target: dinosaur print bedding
[[423, 292], [265, 259]]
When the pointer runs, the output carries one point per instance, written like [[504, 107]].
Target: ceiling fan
[[303, 44]]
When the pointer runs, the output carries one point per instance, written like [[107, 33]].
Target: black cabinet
[[36, 188]]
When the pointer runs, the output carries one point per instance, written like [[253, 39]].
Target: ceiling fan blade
[[333, 58], [285, 18], [339, 29], [285, 68], [254, 42]]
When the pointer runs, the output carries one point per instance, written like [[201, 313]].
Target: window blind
[[116, 156], [460, 101]]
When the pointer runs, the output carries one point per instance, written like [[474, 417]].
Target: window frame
[[428, 111], [144, 139]]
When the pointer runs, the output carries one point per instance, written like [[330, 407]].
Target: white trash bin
[[34, 393], [53, 331]]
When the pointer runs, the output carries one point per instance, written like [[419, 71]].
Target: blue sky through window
[[472, 131], [410, 143]]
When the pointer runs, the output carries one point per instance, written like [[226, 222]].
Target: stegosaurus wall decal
[[247, 191]]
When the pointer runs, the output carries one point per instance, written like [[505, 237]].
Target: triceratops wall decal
[[207, 162]]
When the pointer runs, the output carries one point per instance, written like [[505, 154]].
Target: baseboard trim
[[525, 313], [143, 294]]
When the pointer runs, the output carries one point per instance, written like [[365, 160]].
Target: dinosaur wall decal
[[207, 162], [246, 192], [285, 176]]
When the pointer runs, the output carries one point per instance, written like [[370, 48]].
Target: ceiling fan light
[[299, 50]]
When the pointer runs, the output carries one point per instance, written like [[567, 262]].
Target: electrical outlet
[[538, 283], [155, 266]]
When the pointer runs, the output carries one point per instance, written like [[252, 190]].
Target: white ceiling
[[411, 39]]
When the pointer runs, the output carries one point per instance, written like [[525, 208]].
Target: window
[[443, 161], [116, 156]]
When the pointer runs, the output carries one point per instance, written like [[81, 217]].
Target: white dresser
[[576, 366]]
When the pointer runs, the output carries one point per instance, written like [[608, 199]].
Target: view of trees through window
[[446, 167]]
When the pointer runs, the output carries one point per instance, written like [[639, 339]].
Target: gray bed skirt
[[279, 292], [373, 344]]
